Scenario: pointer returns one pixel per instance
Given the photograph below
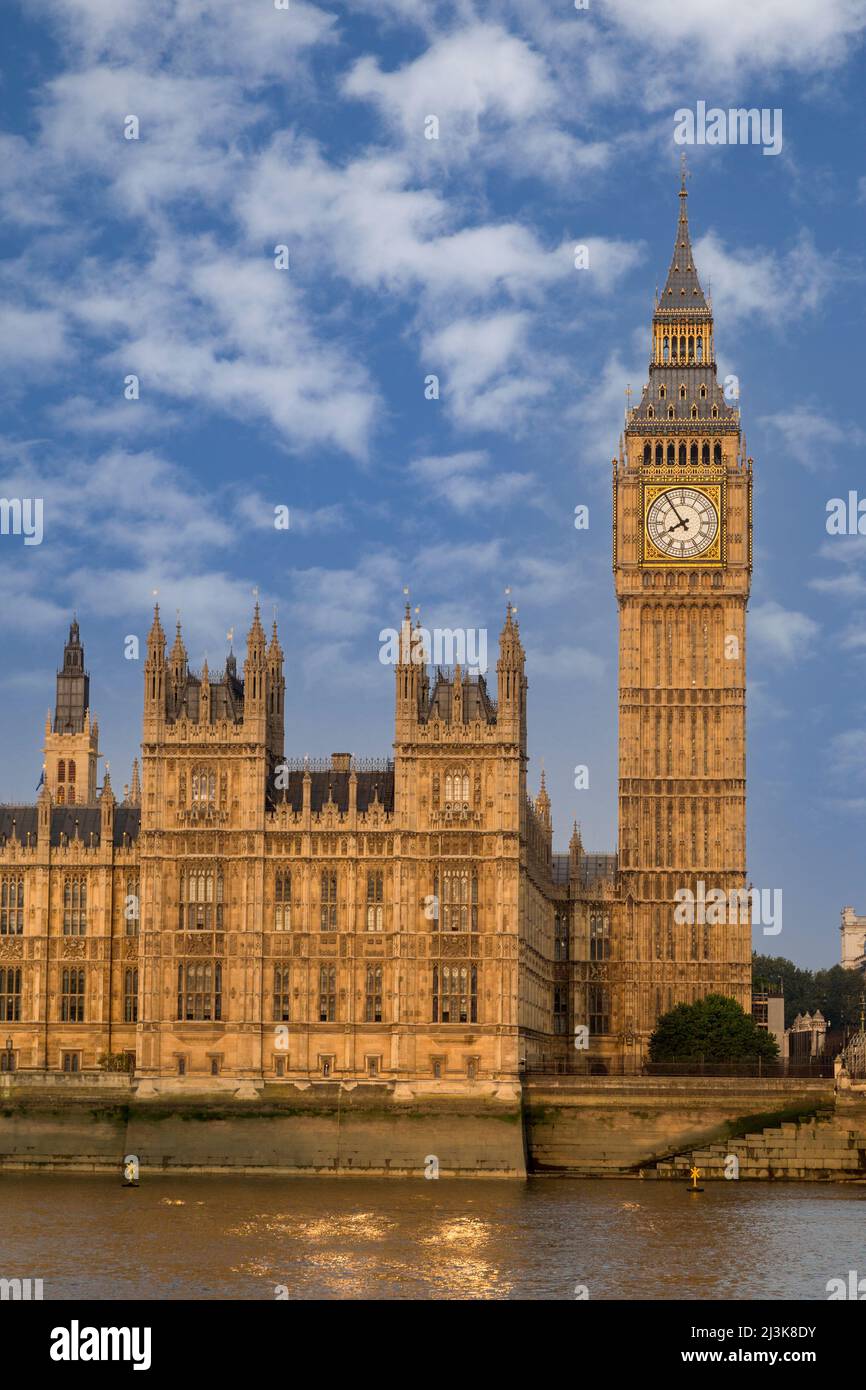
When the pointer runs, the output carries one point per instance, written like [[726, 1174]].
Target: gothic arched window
[[199, 990], [61, 770], [201, 898], [665, 348], [455, 994], [599, 936], [650, 413], [283, 901], [717, 453], [672, 454], [72, 986], [70, 777], [671, 412], [282, 993], [327, 993], [700, 349], [329, 900], [375, 895], [203, 786], [373, 1000], [457, 786], [11, 906], [647, 451], [74, 907], [682, 455], [660, 453], [682, 393], [130, 996], [459, 901], [705, 452]]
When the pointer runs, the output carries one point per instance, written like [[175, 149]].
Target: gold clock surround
[[710, 486]]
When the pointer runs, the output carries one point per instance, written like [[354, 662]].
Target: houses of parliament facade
[[242, 916]]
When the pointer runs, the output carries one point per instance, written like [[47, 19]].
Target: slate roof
[[325, 785], [672, 377], [226, 697], [19, 821], [683, 288], [594, 868], [477, 704]]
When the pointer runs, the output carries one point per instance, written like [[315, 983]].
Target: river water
[[88, 1237]]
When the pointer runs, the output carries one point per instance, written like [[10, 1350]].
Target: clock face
[[682, 523]]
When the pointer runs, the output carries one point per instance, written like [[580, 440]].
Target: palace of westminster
[[242, 916]]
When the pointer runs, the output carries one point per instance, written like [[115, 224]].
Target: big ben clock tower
[[682, 563]]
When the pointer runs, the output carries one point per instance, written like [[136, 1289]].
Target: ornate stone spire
[[256, 634], [683, 288], [275, 651], [155, 641], [542, 802], [177, 656]]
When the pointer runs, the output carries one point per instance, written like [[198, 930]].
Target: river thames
[[87, 1237]]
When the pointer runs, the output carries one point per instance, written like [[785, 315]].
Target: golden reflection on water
[[450, 1267], [462, 1230], [338, 1226], [350, 1239]]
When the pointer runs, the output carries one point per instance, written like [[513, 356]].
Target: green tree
[[715, 1028], [836, 992], [798, 986]]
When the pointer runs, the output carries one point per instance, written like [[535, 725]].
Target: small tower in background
[[71, 746], [511, 680]]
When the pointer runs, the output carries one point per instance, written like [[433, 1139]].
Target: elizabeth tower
[[682, 553]]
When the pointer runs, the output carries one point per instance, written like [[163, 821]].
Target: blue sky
[[410, 256]]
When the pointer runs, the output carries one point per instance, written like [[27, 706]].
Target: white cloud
[[82, 415], [599, 409], [848, 753], [228, 333], [253, 41], [776, 288], [495, 100], [476, 71], [347, 604], [813, 439], [31, 337], [465, 483], [259, 512], [849, 552], [774, 34], [381, 231], [781, 634], [489, 375]]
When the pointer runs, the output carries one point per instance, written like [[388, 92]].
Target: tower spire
[[683, 288], [73, 686]]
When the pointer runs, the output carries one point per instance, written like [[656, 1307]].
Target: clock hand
[[677, 524], [670, 498]]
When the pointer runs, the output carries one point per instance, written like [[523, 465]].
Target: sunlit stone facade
[[240, 918]]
